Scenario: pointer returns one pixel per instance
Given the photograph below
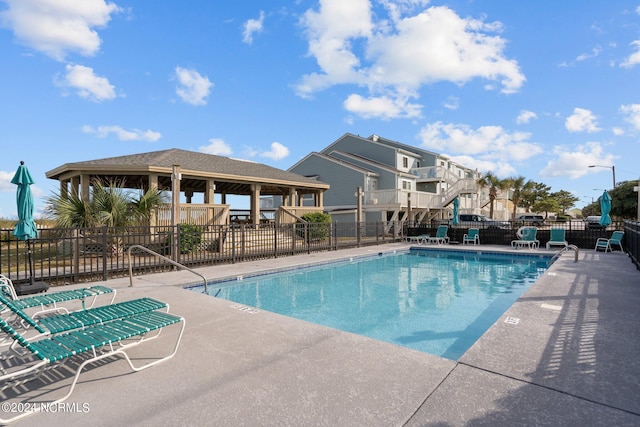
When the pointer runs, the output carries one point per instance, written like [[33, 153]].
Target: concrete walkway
[[568, 355]]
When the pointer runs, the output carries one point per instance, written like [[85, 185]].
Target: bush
[[190, 238], [319, 226]]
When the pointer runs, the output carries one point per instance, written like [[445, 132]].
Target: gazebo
[[188, 173]]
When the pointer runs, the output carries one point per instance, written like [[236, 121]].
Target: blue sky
[[541, 89]]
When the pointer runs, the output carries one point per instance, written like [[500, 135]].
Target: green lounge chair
[[440, 237], [472, 236], [606, 244], [52, 321], [87, 296], [557, 238], [84, 346], [526, 237]]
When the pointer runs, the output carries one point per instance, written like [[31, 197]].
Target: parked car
[[481, 221], [529, 219], [593, 222]]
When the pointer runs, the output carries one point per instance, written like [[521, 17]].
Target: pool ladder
[[574, 248], [169, 260]]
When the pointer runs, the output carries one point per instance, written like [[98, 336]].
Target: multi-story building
[[390, 181]]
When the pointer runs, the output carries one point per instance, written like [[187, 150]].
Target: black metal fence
[[577, 233], [61, 256], [631, 241]]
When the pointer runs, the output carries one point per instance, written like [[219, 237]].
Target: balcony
[[399, 199]]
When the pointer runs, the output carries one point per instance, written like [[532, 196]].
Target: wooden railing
[[196, 214]]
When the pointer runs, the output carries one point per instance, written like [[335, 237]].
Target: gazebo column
[[292, 197], [153, 183], [75, 185], [255, 203], [85, 181], [209, 192], [319, 199], [64, 189]]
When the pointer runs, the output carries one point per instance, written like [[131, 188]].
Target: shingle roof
[[192, 164]]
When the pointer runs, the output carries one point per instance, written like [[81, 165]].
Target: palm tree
[[491, 180], [519, 186], [110, 205]]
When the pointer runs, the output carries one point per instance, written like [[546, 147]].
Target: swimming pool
[[439, 302]]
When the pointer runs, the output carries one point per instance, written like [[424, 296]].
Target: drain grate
[[244, 308], [512, 320]]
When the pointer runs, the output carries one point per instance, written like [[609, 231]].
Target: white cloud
[[251, 27], [634, 58], [500, 168], [486, 143], [452, 103], [594, 52], [574, 163], [216, 146], [122, 134], [5, 181], [277, 152], [525, 116], [382, 107], [582, 121], [632, 114], [399, 55], [193, 88], [57, 27], [87, 85], [617, 131]]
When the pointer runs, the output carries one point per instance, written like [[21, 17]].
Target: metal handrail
[[566, 248], [169, 260]]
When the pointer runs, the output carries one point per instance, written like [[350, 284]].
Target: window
[[405, 162], [406, 185]]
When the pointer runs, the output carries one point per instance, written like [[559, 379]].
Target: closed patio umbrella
[[456, 206], [605, 208], [25, 228]]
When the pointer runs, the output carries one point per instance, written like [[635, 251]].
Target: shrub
[[319, 225], [189, 239]]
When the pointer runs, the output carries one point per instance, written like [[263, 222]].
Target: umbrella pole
[[31, 280]]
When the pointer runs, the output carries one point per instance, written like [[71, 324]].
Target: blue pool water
[[439, 302]]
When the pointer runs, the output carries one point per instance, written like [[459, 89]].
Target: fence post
[[75, 247], [233, 244], [276, 229], [176, 244], [104, 253]]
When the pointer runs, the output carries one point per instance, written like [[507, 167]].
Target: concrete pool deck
[[566, 353]]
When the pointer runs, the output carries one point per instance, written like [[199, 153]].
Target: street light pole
[[613, 171]]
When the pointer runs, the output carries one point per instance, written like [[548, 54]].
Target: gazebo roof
[[230, 176]]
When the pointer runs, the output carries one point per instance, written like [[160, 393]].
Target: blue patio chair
[[440, 237], [606, 244], [31, 357], [472, 236], [526, 237], [557, 238]]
